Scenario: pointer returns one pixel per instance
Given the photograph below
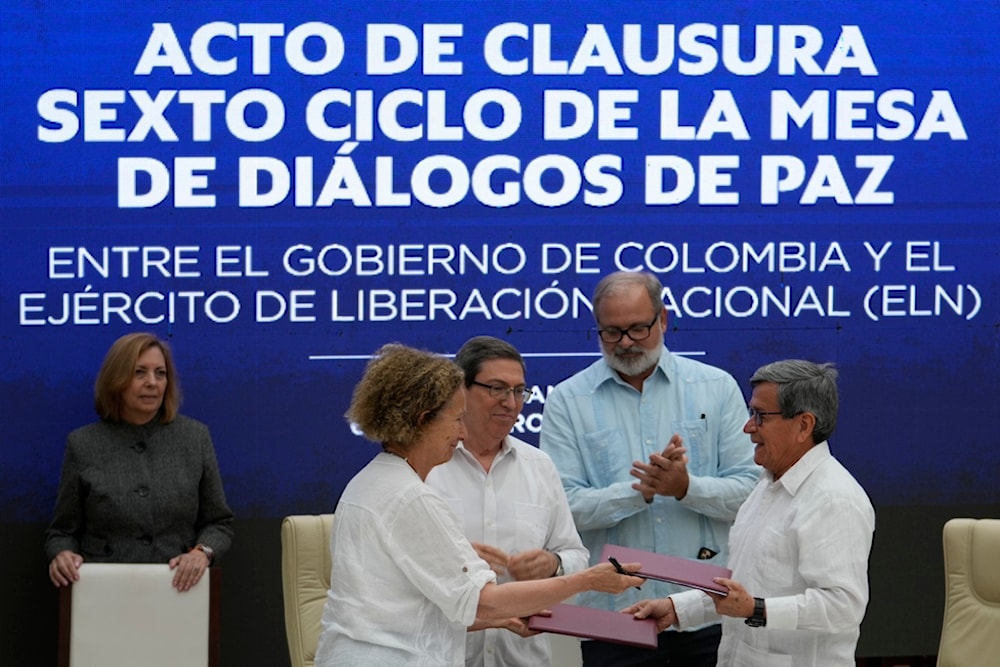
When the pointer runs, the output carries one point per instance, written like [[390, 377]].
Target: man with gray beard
[[603, 426]]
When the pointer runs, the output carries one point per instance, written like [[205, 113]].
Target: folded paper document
[[691, 573], [609, 626]]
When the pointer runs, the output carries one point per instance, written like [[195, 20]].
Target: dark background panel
[[903, 618]]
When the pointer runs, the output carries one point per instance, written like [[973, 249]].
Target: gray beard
[[632, 366]]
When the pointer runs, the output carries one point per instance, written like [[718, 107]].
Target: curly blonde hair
[[402, 391]]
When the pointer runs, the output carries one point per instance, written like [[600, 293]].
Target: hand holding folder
[[609, 626], [690, 573]]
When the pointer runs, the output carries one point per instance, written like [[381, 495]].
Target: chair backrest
[[970, 634], [122, 614], [305, 580]]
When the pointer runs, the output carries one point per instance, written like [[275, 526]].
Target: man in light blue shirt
[[602, 425]]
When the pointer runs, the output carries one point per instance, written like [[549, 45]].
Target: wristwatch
[[208, 551], [757, 620], [559, 568]]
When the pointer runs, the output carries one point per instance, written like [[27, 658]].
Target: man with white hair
[[602, 427]]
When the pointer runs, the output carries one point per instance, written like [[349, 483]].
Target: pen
[[621, 570]]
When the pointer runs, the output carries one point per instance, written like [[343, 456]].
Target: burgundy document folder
[[609, 626], [691, 573]]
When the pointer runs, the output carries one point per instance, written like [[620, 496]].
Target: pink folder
[[609, 626], [691, 573]]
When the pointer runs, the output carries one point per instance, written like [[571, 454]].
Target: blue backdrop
[[278, 189]]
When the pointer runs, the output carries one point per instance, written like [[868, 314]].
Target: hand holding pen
[[622, 570]]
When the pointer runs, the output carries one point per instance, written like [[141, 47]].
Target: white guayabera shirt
[[517, 506], [801, 543]]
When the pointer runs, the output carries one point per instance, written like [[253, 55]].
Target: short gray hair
[[613, 282], [804, 386]]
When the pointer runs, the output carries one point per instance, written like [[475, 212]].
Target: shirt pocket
[[753, 656], [608, 457], [532, 526], [701, 458], [776, 549]]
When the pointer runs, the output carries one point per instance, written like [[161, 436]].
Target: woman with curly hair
[[406, 585]]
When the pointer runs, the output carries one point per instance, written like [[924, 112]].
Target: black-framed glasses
[[758, 415], [502, 391], [636, 333]]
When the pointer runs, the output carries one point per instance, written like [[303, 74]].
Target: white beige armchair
[[970, 634], [305, 579], [122, 615]]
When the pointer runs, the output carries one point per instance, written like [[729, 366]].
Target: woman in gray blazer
[[141, 485]]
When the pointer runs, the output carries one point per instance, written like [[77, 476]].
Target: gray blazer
[[139, 494]]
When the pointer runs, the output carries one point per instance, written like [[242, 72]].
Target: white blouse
[[405, 582]]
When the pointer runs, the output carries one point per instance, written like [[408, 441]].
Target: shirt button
[[142, 491]]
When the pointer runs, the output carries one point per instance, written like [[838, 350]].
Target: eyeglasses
[[502, 391], [636, 333], [758, 416]]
